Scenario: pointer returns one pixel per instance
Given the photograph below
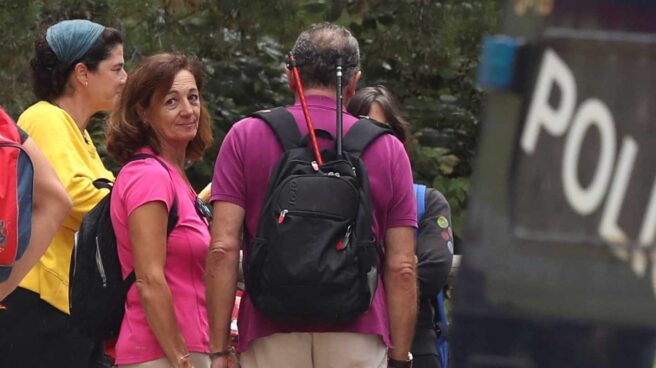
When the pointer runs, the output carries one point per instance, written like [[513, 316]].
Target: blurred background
[[425, 51]]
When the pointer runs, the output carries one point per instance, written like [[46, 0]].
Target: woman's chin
[[184, 139]]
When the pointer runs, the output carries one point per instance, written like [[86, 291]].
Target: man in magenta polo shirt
[[241, 174]]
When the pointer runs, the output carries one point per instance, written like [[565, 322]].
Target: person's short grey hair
[[316, 51]]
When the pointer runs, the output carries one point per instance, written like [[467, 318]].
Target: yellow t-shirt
[[75, 160]]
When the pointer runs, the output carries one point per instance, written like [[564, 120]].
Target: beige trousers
[[316, 350], [200, 360]]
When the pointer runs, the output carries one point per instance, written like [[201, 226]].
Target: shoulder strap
[[420, 196], [363, 133], [442, 343], [283, 125], [173, 214]]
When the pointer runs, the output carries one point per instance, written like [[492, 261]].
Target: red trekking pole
[[306, 112]]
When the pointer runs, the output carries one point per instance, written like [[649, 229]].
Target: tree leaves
[[425, 51]]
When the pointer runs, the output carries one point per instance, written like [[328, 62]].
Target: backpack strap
[[283, 125], [362, 134], [442, 343], [173, 214], [420, 196]]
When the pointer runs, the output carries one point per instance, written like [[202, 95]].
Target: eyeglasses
[[203, 209]]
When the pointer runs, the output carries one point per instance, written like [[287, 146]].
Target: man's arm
[[400, 280], [50, 207], [221, 275]]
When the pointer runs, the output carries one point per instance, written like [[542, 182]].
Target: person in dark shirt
[[434, 246]]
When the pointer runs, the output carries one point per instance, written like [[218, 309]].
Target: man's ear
[[291, 82], [351, 87], [81, 74]]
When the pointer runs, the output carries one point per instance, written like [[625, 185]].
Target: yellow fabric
[[77, 164]]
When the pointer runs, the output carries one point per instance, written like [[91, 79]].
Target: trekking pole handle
[[339, 72], [306, 112]]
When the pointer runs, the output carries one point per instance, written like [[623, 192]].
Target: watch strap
[[393, 363]]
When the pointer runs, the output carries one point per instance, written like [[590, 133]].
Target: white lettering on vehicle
[[612, 172]]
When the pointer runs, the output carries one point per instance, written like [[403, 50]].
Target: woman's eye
[[171, 102], [194, 98]]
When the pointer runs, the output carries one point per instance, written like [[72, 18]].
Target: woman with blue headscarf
[[77, 71]]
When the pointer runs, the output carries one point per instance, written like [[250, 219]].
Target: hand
[[225, 362], [185, 362]]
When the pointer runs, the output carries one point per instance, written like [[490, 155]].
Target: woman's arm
[[148, 236], [50, 206]]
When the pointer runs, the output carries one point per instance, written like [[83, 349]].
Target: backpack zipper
[[284, 212], [343, 244], [99, 264], [281, 217], [4, 143], [276, 194]]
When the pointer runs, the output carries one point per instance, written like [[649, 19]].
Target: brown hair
[[360, 105], [151, 78]]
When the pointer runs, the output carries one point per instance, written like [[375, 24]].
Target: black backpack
[[97, 289], [314, 258]]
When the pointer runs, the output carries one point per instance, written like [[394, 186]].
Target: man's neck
[[326, 92]]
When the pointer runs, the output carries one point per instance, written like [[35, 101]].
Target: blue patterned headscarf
[[71, 39]]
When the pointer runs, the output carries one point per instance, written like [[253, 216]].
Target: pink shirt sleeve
[[403, 208], [228, 180], [146, 181]]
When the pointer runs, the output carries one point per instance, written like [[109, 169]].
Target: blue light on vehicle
[[497, 68]]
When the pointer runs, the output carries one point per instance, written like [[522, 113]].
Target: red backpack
[[16, 187]]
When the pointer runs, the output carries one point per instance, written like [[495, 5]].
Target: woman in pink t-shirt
[[161, 113]]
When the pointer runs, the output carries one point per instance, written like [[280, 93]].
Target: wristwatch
[[393, 363]]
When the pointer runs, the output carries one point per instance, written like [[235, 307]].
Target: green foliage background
[[425, 51]]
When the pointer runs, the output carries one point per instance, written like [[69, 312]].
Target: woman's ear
[[81, 74]]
